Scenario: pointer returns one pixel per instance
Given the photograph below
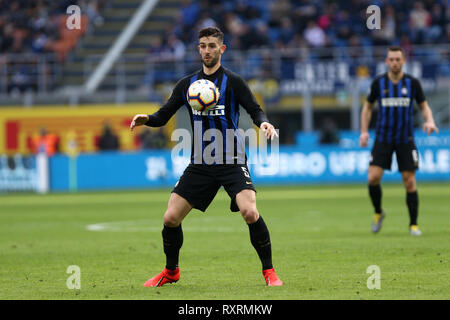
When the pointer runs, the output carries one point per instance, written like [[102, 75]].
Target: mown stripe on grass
[[163, 197]]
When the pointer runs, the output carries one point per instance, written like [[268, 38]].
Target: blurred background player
[[200, 182], [395, 92]]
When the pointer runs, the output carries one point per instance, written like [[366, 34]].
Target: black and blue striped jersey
[[234, 92], [395, 107]]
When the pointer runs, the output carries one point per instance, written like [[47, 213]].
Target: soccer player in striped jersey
[[395, 93], [202, 179]]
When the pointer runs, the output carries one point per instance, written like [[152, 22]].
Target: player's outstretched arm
[[138, 120], [162, 116], [366, 115], [429, 126], [269, 130]]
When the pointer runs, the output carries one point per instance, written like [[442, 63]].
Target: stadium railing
[[25, 72], [302, 71]]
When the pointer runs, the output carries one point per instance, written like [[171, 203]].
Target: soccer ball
[[202, 95]]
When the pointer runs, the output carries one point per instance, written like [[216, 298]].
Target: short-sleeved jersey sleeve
[[418, 91], [374, 92]]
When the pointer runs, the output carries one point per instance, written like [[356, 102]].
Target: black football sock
[[172, 241], [260, 239], [412, 200], [375, 195]]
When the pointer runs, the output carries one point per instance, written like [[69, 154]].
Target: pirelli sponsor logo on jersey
[[218, 110], [395, 102]]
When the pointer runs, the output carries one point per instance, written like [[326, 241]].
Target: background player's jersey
[[395, 107], [234, 91]]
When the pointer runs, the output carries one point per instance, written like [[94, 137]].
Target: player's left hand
[[138, 120], [429, 127], [269, 130]]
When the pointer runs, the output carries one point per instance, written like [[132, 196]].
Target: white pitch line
[[137, 226]]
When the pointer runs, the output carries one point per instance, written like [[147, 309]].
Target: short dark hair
[[396, 48], [211, 32]]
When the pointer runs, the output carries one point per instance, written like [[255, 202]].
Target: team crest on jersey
[[218, 110], [404, 91]]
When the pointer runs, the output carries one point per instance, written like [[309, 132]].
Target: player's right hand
[[364, 139], [138, 120], [429, 127], [268, 130]]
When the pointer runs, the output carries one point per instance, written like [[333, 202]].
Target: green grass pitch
[[321, 241]]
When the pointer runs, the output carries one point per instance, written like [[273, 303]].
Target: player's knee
[[250, 214], [410, 183], [171, 219], [373, 179]]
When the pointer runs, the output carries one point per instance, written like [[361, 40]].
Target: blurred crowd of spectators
[[29, 28], [284, 24], [40, 25]]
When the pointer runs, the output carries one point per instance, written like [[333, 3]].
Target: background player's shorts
[[406, 153], [199, 183]]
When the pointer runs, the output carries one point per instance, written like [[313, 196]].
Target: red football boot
[[166, 276], [272, 278]]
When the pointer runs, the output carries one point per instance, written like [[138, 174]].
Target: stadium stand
[[35, 42], [95, 45], [37, 27], [322, 30]]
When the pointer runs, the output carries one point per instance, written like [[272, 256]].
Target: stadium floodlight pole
[[119, 45]]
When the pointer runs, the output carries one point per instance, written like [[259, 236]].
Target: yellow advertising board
[[84, 124]]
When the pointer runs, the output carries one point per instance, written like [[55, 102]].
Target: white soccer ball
[[202, 95]]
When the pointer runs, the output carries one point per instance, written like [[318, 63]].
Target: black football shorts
[[199, 183], [406, 153]]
